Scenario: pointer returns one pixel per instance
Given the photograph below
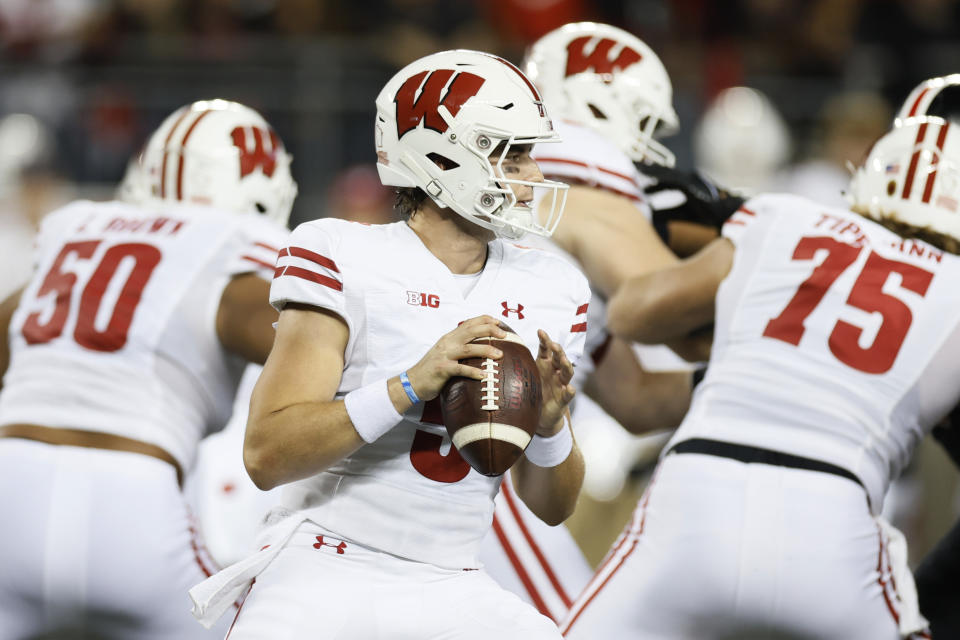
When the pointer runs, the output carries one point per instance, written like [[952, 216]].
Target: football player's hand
[[441, 362], [704, 202], [556, 371]]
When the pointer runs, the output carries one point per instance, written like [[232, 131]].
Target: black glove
[[704, 203]]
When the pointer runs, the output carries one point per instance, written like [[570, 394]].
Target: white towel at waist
[[212, 597]]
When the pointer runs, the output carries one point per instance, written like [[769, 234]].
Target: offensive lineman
[[836, 349], [936, 574], [381, 521], [611, 95], [126, 348]]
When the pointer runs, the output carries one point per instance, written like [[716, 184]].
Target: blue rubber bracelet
[[405, 381]]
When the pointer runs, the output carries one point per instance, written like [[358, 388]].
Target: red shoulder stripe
[[297, 272], [582, 308], [306, 254], [578, 328], [626, 194], [266, 246], [577, 163], [258, 261]]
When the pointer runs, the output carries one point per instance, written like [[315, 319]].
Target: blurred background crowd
[[771, 94]]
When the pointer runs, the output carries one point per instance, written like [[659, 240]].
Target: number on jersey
[[60, 282], [867, 294], [425, 453]]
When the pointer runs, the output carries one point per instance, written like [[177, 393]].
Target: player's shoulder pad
[[336, 231], [70, 214], [769, 207], [773, 203], [265, 230], [754, 208], [582, 144]]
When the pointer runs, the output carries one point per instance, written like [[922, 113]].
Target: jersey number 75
[[867, 294]]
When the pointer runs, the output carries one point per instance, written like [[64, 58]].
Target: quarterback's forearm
[[303, 439], [550, 492], [297, 442]]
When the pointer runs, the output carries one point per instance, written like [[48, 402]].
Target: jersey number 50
[[867, 294], [141, 258]]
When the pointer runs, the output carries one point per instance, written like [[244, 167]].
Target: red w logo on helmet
[[598, 59], [410, 111], [250, 159]]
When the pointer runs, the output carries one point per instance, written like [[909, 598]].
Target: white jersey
[[409, 493], [586, 157], [116, 331], [835, 339]]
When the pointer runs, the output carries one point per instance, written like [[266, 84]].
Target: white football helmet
[[742, 141], [133, 187], [610, 81], [216, 153], [439, 119], [934, 97], [912, 175]]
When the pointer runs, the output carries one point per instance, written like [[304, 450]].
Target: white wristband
[[371, 411], [550, 452]]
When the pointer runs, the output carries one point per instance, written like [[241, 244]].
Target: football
[[491, 421]]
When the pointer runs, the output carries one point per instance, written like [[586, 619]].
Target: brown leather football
[[491, 421]]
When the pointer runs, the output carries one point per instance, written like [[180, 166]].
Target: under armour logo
[[507, 310], [320, 543]]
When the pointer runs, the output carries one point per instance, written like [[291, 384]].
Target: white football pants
[[720, 549], [321, 587], [541, 564], [95, 544]]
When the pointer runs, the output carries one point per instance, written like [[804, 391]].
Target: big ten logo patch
[[252, 143], [412, 109], [321, 542], [598, 59], [419, 299]]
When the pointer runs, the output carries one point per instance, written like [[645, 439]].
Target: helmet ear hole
[[445, 163], [260, 207], [599, 115]]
